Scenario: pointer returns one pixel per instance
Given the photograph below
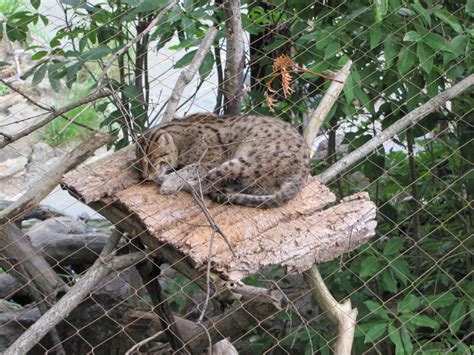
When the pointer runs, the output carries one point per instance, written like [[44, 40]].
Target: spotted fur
[[248, 160]]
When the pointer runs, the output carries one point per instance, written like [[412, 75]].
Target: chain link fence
[[411, 283]]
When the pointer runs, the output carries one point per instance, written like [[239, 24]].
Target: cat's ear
[[165, 140]]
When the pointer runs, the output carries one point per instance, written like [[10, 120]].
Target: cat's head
[[157, 155]]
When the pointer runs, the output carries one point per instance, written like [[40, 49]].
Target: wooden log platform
[[312, 228]]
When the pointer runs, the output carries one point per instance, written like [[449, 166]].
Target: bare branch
[[234, 66], [105, 264], [36, 193], [29, 99], [317, 116], [188, 73], [138, 345], [341, 314], [409, 119], [134, 40], [55, 113]]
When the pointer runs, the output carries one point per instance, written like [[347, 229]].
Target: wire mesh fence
[[165, 274]]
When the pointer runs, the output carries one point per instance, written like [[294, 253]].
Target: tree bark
[[234, 67]]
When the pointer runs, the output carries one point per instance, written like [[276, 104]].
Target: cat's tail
[[288, 190]]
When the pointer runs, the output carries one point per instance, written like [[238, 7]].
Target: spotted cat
[[248, 160]]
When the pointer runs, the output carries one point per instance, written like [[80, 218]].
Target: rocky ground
[[25, 161]]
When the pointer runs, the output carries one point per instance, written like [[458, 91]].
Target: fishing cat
[[248, 160]]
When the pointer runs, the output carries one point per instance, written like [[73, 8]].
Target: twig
[[210, 219], [220, 79], [138, 345], [105, 264], [409, 119], [234, 65], [134, 40], [341, 314], [36, 193], [93, 97], [316, 117], [208, 278], [48, 109], [29, 99], [188, 73]]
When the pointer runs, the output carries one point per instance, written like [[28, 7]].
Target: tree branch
[[234, 66], [188, 73], [105, 264], [134, 40], [55, 113], [317, 116], [341, 314], [409, 119]]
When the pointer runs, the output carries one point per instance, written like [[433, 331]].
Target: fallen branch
[[37, 192], [234, 65], [409, 119], [341, 314], [105, 264], [188, 73], [55, 113], [21, 260], [134, 40], [317, 116]]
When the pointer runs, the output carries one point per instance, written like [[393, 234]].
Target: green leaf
[[348, 90], [375, 36], [435, 41], [424, 321], [71, 75], [206, 66], [406, 60], [412, 36], [393, 246], [331, 50], [95, 53], [374, 167], [406, 341], [35, 3], [377, 309], [185, 59], [458, 45], [38, 55], [39, 74], [131, 92], [364, 99], [389, 282], [3, 64], [381, 8], [408, 304], [457, 316], [441, 300], [390, 51], [375, 333], [448, 18], [425, 57], [394, 335], [369, 267], [425, 15]]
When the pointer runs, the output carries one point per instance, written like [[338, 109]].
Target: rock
[[13, 166]]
